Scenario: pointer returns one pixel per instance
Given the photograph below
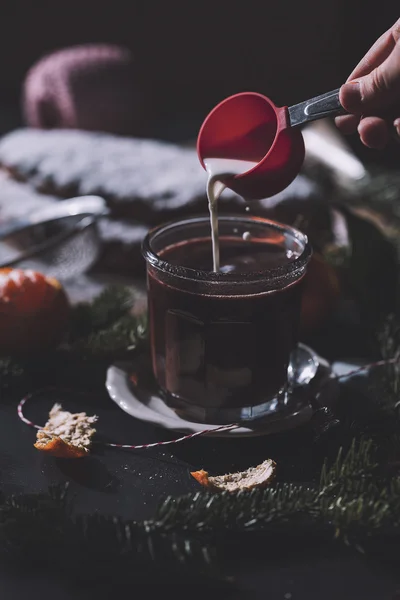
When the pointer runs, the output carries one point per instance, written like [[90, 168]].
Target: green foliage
[[352, 502], [121, 336], [103, 312]]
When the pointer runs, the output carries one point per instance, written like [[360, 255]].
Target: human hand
[[372, 93]]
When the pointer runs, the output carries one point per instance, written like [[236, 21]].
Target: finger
[[377, 91], [374, 132], [347, 124], [397, 126], [395, 131], [379, 52]]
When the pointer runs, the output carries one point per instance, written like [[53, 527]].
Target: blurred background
[[190, 55], [168, 65]]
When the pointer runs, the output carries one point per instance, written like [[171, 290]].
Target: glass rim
[[274, 273]]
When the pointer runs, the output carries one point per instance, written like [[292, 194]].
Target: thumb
[[377, 91]]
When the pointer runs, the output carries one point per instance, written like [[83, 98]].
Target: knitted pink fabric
[[91, 87]]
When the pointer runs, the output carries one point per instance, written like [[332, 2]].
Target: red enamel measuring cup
[[248, 126]]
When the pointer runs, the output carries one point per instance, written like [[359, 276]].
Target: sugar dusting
[[74, 428]]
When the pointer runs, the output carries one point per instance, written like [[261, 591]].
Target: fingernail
[[351, 96], [397, 125]]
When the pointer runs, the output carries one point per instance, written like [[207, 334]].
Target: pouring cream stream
[[219, 169]]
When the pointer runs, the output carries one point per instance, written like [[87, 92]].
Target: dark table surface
[[132, 484]]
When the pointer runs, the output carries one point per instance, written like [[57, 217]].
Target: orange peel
[[60, 449], [253, 477], [66, 435]]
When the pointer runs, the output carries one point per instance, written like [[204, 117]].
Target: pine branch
[[110, 305], [41, 528], [389, 342], [352, 502], [348, 500], [124, 335]]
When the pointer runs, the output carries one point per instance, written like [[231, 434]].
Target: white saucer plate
[[145, 404]]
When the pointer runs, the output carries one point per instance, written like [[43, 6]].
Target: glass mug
[[221, 342]]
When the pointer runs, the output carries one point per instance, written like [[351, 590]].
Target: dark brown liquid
[[218, 351]]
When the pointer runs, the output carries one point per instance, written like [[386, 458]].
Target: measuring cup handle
[[327, 105]]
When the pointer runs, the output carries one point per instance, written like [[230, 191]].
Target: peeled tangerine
[[34, 311]]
